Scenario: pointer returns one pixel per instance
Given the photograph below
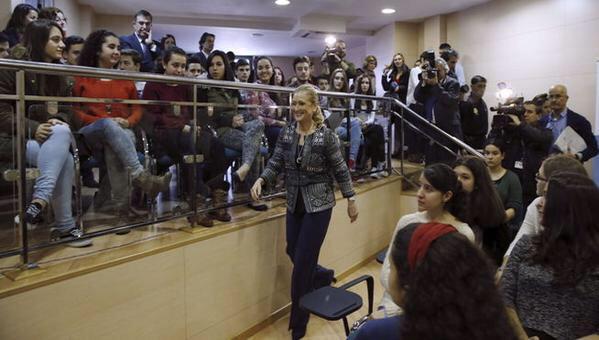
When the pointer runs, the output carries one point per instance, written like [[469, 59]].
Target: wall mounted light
[[282, 2], [388, 11]]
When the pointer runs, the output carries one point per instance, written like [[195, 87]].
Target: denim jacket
[[321, 164]]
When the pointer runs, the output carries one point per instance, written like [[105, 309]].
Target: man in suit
[[562, 117], [206, 46], [439, 95], [141, 40]]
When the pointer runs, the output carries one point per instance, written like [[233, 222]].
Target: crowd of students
[[476, 221], [108, 131]]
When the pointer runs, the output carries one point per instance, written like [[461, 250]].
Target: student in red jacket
[[107, 126]]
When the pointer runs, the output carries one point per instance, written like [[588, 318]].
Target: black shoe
[[75, 233], [34, 213], [258, 207]]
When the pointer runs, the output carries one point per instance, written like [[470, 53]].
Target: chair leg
[[346, 326]]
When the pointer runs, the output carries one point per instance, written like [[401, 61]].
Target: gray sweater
[[562, 312]]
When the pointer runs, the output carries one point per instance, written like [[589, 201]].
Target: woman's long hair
[[485, 206], [17, 19], [358, 90], [569, 242], [92, 48], [450, 294], [443, 178], [35, 39], [394, 69], [336, 102], [229, 75]]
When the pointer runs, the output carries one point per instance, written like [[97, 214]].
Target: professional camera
[[429, 65], [332, 55], [513, 106]]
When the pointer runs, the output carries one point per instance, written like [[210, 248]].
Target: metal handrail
[[20, 67], [60, 69]]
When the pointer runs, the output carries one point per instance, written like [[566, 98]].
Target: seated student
[[21, 16], [195, 68], [49, 149], [440, 199], [486, 212], [72, 49], [107, 127], [243, 70], [56, 15], [279, 77], [173, 135], [322, 82], [232, 130], [507, 184], [167, 42], [338, 121], [131, 61], [444, 285], [272, 118], [374, 134], [4, 46], [551, 281], [553, 165]]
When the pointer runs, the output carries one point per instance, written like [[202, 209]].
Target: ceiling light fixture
[[282, 2], [388, 11], [330, 40]]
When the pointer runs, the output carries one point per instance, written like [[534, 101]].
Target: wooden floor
[[320, 329]]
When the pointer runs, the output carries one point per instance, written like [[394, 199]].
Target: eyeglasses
[[540, 178]]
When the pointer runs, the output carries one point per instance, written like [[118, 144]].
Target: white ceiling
[[234, 21]]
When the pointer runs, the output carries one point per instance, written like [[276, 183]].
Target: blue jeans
[[355, 131], [107, 133], [55, 182]]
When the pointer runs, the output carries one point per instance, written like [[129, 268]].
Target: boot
[[219, 199], [151, 184], [201, 218]]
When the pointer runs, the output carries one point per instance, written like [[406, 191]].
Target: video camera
[[513, 106], [429, 66]]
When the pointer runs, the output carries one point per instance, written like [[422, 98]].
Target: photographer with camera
[[334, 56], [439, 95]]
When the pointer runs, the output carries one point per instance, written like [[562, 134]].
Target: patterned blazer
[[320, 165]]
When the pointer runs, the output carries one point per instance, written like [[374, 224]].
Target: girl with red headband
[[440, 199], [445, 287]]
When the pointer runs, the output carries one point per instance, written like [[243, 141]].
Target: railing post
[[27, 269], [194, 172]]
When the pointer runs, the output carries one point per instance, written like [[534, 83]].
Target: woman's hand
[[122, 122], [54, 121], [256, 190], [237, 121], [43, 132], [352, 210]]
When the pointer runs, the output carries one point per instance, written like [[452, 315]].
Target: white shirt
[[459, 72], [418, 217], [530, 225], [412, 83]]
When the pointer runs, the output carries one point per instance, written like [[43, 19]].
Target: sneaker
[[34, 213], [74, 233]]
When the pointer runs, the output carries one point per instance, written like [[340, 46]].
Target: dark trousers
[[305, 234], [374, 142]]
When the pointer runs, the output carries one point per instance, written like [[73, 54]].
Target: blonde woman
[[309, 154]]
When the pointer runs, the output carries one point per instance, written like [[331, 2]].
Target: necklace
[[300, 152]]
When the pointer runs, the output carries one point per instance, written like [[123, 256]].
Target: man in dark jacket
[[440, 97], [474, 114], [562, 117], [535, 140], [141, 40]]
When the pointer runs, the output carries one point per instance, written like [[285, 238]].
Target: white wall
[[531, 44]]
